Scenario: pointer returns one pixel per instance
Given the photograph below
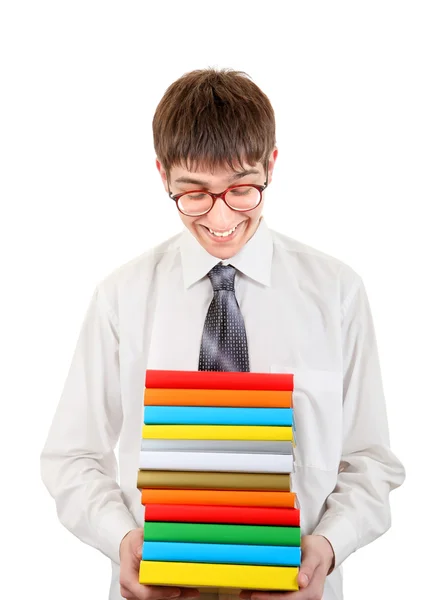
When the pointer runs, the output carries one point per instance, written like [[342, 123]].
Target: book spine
[[221, 533], [218, 432], [211, 496], [286, 556], [216, 380], [205, 397], [216, 415], [199, 461], [228, 446], [210, 574], [215, 479], [222, 514]]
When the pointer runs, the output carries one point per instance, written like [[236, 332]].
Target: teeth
[[225, 234]]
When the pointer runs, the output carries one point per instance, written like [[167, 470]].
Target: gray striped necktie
[[224, 345]]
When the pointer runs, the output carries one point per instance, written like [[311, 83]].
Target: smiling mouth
[[222, 234]]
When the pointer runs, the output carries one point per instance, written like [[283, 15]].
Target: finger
[[263, 595], [189, 593], [149, 592], [314, 590], [129, 576], [309, 564], [130, 596], [304, 579], [157, 592]]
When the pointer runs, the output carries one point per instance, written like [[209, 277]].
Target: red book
[[243, 515], [218, 380]]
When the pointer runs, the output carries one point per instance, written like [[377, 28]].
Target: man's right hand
[[130, 588]]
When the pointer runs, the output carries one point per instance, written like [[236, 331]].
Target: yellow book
[[152, 572], [218, 432]]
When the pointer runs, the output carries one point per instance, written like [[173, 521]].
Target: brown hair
[[210, 118]]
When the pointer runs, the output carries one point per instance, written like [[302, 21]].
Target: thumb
[[306, 570], [137, 540], [131, 543]]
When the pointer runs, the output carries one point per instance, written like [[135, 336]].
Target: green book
[[218, 533]]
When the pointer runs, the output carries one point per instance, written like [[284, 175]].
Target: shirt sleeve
[[78, 464], [358, 510]]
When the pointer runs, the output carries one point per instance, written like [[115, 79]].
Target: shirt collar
[[254, 259]]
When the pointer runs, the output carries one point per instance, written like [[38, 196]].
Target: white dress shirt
[[305, 313]]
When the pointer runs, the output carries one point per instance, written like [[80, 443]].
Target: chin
[[224, 252]]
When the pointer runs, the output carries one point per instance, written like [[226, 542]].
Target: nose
[[220, 214]]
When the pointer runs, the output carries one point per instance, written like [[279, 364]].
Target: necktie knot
[[222, 277]]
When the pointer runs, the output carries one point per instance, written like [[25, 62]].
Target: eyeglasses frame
[[215, 197]]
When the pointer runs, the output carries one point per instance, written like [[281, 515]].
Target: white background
[[80, 195]]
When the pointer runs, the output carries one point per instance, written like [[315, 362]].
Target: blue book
[[222, 553], [214, 415]]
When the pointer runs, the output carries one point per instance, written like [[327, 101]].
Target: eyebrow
[[205, 184]]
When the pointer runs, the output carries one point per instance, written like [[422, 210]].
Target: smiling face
[[220, 219]]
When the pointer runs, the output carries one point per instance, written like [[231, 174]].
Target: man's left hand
[[317, 558]]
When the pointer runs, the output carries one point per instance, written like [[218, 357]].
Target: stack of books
[[215, 478]]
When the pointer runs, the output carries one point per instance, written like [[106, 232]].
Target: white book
[[216, 461], [242, 446]]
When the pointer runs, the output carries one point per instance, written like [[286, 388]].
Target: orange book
[[219, 497], [195, 397]]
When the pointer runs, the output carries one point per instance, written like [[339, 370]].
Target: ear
[[163, 175], [271, 163]]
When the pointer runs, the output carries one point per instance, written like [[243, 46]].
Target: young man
[[285, 307]]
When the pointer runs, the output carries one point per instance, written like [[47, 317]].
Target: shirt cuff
[[341, 534], [112, 529]]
